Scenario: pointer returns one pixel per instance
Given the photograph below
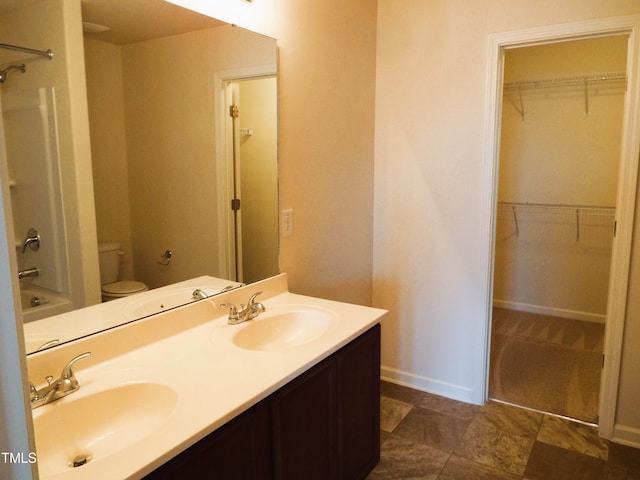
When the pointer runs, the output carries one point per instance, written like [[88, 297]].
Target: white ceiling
[[133, 20]]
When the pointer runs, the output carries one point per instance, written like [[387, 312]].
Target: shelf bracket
[[521, 110], [515, 220], [586, 98]]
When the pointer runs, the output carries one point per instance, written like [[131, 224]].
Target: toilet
[[109, 257]]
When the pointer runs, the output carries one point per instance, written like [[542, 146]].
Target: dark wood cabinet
[[304, 422], [239, 450], [358, 369], [324, 425]]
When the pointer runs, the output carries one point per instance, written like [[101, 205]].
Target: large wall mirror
[[184, 181]]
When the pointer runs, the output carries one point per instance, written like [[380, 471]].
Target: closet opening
[[561, 132]]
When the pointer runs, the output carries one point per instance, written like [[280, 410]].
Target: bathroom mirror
[[160, 82]]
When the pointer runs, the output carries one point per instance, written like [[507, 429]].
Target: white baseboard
[[626, 435], [424, 384], [556, 312]]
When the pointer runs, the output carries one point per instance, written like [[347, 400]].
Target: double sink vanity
[[284, 387]]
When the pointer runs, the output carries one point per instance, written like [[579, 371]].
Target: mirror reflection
[[183, 145]]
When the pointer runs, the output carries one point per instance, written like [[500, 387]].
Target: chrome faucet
[[32, 241], [29, 272], [252, 310], [198, 294], [63, 386]]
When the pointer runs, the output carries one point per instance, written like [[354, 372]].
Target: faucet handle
[[252, 299], [32, 241], [232, 308], [67, 378], [67, 371], [33, 392]]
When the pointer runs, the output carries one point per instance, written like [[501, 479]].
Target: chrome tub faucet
[[28, 272], [198, 294]]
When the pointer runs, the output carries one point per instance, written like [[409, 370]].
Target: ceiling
[[131, 21], [136, 20]]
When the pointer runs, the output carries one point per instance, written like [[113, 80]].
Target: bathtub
[[39, 303]]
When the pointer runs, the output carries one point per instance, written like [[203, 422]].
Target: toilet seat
[[123, 288]]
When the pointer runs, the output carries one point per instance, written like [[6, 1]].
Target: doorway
[[625, 201], [251, 154], [561, 124]]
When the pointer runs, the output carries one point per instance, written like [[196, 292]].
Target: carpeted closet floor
[[547, 363]]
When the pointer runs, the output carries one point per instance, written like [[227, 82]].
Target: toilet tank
[[109, 257]]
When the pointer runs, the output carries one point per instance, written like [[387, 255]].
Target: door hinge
[[615, 228], [603, 360], [234, 111], [235, 204]]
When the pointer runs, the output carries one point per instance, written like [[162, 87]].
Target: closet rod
[[15, 48]]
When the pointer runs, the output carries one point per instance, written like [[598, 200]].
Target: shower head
[[3, 73]]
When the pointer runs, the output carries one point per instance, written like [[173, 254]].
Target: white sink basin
[[34, 341], [152, 303], [93, 427], [283, 327]]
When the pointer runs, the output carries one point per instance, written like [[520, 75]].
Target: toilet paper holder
[[166, 257]]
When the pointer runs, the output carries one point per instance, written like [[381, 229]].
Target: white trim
[[425, 384], [627, 435], [619, 276], [551, 311], [224, 163]]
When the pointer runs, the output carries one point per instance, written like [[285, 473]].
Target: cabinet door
[[239, 450], [359, 406], [305, 425]]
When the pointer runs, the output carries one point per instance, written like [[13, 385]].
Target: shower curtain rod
[[15, 48]]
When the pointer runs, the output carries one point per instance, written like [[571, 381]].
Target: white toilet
[[109, 256]]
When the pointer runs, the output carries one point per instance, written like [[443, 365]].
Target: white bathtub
[[51, 303]]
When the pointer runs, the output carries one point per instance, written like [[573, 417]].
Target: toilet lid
[[123, 287]]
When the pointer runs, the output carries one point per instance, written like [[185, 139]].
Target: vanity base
[[324, 424]]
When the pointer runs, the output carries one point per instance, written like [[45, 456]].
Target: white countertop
[[214, 380]]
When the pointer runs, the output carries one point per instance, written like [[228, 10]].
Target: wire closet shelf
[[572, 210], [589, 78], [599, 81]]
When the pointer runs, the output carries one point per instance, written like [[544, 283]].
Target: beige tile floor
[[425, 436]]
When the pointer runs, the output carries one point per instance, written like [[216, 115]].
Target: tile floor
[[425, 436]]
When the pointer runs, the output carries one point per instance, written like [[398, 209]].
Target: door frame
[[224, 164], [625, 201]]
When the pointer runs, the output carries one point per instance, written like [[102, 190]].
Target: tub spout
[[29, 272]]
